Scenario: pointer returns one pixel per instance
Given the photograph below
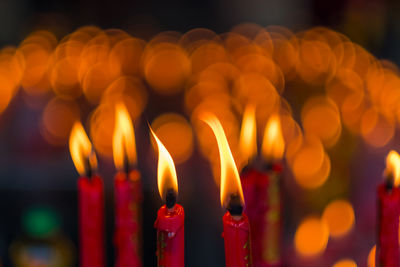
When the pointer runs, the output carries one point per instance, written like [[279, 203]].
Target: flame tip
[[166, 174], [392, 170], [124, 145], [81, 150]]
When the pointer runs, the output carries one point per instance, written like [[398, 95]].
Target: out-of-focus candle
[[388, 213], [272, 150], [128, 192], [91, 200], [171, 216], [261, 181], [235, 223]]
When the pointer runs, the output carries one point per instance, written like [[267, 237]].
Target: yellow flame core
[[124, 145], [393, 167], [81, 150], [273, 145], [166, 173], [248, 135], [230, 181]]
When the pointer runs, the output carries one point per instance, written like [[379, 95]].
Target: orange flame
[[248, 135], [166, 173], [230, 181], [393, 167], [81, 150], [273, 145], [124, 145]]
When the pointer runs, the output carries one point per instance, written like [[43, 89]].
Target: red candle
[[91, 221], [255, 190], [128, 192], [271, 228], [388, 214], [236, 224], [237, 238], [171, 216], [91, 200], [128, 198], [170, 236], [262, 189]]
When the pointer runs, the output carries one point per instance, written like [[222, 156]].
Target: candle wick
[[389, 182], [89, 171], [126, 160], [170, 199], [235, 207]]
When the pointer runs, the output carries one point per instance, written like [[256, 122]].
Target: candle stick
[[91, 200], [128, 193], [171, 216], [255, 183], [262, 189], [235, 223], [273, 147], [388, 213]]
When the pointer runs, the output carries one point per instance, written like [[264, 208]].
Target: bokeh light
[[339, 216], [311, 237], [320, 116], [345, 263], [176, 134], [311, 165], [166, 67], [58, 117]]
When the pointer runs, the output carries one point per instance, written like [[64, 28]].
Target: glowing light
[[248, 135], [345, 263], [166, 68], [54, 130], [166, 173], [339, 216], [124, 145], [273, 145], [311, 237], [230, 181], [81, 150], [393, 167], [372, 257], [176, 134]]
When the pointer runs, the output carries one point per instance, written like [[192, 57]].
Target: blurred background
[[336, 88]]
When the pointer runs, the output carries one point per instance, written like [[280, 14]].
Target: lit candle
[[388, 213], [272, 149], [235, 222], [261, 187], [91, 200], [171, 216], [128, 192], [255, 184]]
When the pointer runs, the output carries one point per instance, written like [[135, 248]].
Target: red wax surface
[[170, 237], [91, 221], [237, 241], [128, 199], [263, 206], [388, 226]]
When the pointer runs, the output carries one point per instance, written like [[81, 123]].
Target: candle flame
[[248, 135], [393, 167], [124, 145], [166, 173], [273, 145], [230, 181], [81, 150]]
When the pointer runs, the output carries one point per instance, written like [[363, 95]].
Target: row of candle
[[258, 184], [261, 193]]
